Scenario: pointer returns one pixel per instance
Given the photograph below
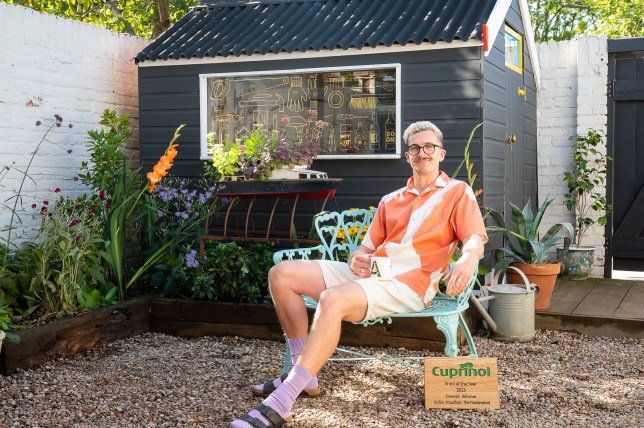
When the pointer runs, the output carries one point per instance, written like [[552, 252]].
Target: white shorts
[[384, 296]]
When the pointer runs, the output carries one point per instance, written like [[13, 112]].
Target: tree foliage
[[567, 19], [145, 18]]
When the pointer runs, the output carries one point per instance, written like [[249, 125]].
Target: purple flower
[[191, 259]]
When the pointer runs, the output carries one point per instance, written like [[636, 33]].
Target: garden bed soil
[[188, 318], [68, 336]]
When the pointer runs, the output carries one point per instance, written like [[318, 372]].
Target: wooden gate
[[625, 190]]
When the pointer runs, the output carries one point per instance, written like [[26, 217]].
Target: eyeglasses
[[429, 149]]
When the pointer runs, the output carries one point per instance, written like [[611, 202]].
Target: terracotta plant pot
[[543, 274]]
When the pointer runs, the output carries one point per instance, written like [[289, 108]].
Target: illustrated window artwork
[[513, 50], [359, 104]]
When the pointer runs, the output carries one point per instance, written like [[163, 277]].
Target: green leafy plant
[[228, 273], [106, 166], [67, 252], [259, 154], [525, 230], [6, 323], [586, 177]]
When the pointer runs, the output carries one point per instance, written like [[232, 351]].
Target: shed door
[[515, 98], [626, 144]]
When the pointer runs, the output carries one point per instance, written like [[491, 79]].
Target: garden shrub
[[227, 273]]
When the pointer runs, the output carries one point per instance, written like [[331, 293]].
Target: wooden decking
[[597, 307]]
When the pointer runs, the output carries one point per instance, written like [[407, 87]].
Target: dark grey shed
[[452, 68]]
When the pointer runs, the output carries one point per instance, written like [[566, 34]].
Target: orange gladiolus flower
[[160, 170], [478, 192]]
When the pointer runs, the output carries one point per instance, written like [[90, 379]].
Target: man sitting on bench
[[417, 228]]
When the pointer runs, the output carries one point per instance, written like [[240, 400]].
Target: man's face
[[423, 163]]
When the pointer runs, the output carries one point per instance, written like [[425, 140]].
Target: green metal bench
[[340, 233]]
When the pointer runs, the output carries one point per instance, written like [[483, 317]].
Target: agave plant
[[525, 230]]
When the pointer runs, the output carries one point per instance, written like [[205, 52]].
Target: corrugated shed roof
[[274, 26]]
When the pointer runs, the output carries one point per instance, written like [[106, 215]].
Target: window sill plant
[[263, 151], [530, 255], [586, 183]]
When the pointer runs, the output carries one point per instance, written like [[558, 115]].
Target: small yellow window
[[513, 50]]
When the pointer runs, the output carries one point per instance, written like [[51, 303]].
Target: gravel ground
[[153, 380]]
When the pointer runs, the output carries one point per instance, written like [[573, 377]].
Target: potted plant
[[586, 198], [256, 157], [250, 159], [530, 255]]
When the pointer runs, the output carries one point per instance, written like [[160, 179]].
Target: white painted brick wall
[[57, 66], [572, 100]]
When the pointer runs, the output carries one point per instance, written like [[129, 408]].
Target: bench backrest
[[342, 232]]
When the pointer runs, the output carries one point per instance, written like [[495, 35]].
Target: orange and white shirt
[[419, 231]]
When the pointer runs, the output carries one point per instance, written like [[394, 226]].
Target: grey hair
[[423, 125]]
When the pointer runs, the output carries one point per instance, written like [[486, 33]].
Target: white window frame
[[203, 105]]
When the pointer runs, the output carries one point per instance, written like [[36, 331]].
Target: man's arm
[[360, 261], [464, 268]]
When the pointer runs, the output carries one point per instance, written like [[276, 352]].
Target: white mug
[[381, 267]]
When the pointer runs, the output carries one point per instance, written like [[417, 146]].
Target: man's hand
[[461, 274], [360, 262]]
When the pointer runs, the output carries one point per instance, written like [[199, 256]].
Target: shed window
[[360, 104], [513, 50]]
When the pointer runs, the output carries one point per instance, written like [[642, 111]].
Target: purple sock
[[296, 345], [282, 399]]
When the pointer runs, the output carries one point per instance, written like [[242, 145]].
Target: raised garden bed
[[69, 336], [189, 318]]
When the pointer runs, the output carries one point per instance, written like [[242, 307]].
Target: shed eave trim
[[324, 53]]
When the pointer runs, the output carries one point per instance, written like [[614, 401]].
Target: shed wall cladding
[[441, 85], [496, 130]]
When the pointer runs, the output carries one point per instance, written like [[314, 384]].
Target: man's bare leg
[[345, 302], [288, 280]]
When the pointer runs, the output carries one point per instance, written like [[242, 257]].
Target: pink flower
[[286, 120], [101, 194], [57, 190], [77, 237], [33, 205], [45, 202], [73, 223], [107, 205]]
